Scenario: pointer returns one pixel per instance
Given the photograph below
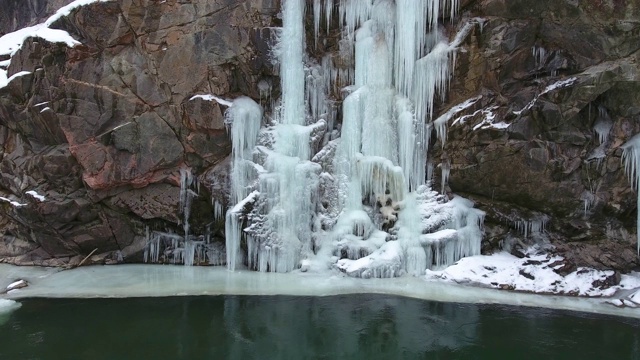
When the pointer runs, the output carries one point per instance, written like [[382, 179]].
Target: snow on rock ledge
[[10, 43], [385, 262], [534, 273]]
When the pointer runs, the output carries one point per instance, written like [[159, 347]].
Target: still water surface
[[286, 327]]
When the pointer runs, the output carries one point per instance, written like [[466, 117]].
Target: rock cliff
[[564, 76], [102, 129]]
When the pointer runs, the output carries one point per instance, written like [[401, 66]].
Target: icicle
[[411, 34], [189, 252], [353, 13], [417, 257], [291, 62], [186, 180], [378, 175], [364, 47], [147, 248], [539, 55], [244, 117], [433, 73], [589, 198], [406, 140], [218, 211], [233, 231], [631, 159], [317, 12], [445, 167], [603, 124], [328, 12], [379, 133]]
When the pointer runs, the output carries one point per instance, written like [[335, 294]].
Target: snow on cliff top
[[10, 43]]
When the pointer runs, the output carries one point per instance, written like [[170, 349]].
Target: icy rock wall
[[353, 197]]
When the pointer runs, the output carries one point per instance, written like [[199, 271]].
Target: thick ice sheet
[[164, 280], [8, 305]]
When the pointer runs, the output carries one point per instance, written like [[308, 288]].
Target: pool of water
[[358, 326]]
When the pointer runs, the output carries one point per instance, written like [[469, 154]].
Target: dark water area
[[285, 327]]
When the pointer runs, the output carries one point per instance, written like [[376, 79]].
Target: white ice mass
[[304, 198]]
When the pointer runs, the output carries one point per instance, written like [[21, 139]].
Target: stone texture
[[549, 161], [103, 129]]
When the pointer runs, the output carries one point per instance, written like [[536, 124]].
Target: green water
[[284, 327]]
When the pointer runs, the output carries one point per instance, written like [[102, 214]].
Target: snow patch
[[211, 97], [10, 43], [534, 273], [549, 88], [12, 202], [39, 197]]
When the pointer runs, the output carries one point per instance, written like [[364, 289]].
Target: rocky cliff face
[[102, 129], [564, 76]]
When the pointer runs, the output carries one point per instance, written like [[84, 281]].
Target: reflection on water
[[348, 326], [281, 327]]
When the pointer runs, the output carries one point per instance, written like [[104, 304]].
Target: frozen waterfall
[[305, 198]]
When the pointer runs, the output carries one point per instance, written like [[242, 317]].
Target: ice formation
[[603, 124], [631, 159], [310, 195], [186, 248]]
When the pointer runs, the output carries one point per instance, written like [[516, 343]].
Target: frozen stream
[[159, 280]]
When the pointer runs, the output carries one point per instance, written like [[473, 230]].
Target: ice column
[[631, 158], [289, 188], [291, 62], [244, 117]]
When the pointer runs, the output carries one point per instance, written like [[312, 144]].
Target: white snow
[[557, 85], [36, 195], [12, 202], [16, 285], [211, 97], [10, 43], [533, 273], [385, 262], [443, 119], [4, 81]]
